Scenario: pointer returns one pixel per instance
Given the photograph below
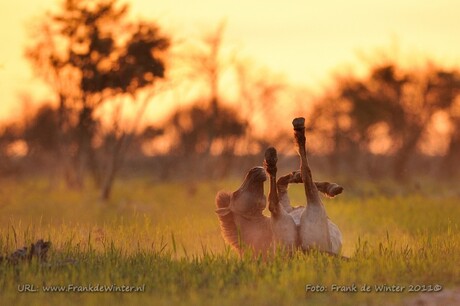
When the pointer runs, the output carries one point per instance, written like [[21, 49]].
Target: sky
[[306, 41]]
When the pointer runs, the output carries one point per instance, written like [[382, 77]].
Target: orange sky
[[302, 39]]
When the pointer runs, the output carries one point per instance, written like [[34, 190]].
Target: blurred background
[[95, 91]]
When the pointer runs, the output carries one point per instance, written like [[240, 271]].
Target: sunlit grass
[[166, 236]]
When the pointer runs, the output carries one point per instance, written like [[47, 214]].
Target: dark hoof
[[271, 157], [334, 190], [270, 161], [298, 123], [296, 177]]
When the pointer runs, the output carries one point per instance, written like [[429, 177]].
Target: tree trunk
[[403, 155], [85, 154], [449, 166], [114, 164]]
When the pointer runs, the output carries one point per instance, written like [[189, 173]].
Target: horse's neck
[[251, 221], [253, 229]]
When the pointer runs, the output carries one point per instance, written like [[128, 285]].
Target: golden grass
[[166, 236]]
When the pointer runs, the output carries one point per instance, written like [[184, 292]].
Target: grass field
[[164, 238]]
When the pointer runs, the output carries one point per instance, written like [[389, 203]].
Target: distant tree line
[[92, 54], [401, 104]]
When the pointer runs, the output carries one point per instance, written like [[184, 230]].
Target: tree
[[90, 53], [41, 132], [404, 101], [208, 127], [191, 128], [451, 91]]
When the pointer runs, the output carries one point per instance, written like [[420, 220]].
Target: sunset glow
[[303, 40]]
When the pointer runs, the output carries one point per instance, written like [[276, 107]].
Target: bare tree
[[210, 126], [405, 101], [89, 53]]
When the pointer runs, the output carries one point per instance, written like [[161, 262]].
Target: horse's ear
[[223, 211], [223, 203]]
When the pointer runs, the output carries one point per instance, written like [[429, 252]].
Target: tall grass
[[165, 237]]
